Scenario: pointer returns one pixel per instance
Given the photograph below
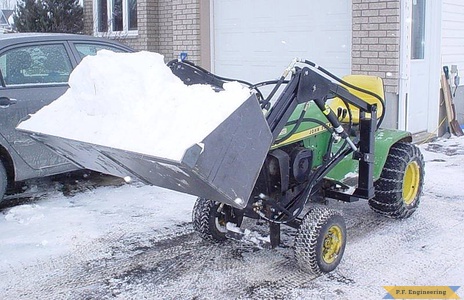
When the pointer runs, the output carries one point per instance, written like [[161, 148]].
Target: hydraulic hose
[[330, 115], [225, 79], [382, 102], [266, 103], [298, 123]]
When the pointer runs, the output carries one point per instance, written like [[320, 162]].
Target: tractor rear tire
[[3, 181], [320, 241], [210, 219], [398, 190]]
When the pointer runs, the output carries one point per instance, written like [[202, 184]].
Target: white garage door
[[256, 40]]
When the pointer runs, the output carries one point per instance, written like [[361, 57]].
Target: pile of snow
[[133, 101]]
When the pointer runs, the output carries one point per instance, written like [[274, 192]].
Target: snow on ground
[[116, 99], [136, 242], [57, 224]]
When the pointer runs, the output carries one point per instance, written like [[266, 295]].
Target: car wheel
[[3, 181]]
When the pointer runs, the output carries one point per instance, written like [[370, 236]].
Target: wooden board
[[455, 128]]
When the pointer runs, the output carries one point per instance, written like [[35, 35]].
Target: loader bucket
[[223, 167]]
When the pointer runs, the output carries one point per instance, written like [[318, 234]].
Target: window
[[36, 65], [418, 29], [115, 16], [91, 49]]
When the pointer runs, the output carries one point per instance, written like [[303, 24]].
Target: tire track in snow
[[175, 265]]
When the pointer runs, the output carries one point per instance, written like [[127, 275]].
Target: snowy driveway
[[136, 242]]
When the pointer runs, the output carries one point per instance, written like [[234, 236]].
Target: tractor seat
[[366, 82]]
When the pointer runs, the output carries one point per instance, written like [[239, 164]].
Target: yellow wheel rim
[[411, 182], [333, 241]]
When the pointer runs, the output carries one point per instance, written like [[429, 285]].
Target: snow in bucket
[[132, 101]]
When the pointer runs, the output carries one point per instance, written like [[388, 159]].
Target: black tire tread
[[306, 240], [3, 181], [203, 217], [388, 199]]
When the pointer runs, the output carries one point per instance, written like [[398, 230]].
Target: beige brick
[[377, 61], [361, 34], [370, 27], [389, 54], [388, 12], [377, 33], [369, 54], [377, 48], [360, 20], [356, 13], [380, 19], [393, 4], [369, 68], [360, 6], [389, 40], [369, 40], [377, 5], [389, 26], [370, 13], [375, 41], [393, 19], [360, 61]]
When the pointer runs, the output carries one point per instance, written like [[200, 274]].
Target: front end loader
[[280, 158]]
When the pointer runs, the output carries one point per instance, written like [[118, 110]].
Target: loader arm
[[226, 164], [308, 84]]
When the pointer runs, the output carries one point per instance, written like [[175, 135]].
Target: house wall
[[88, 17], [168, 27], [452, 41], [453, 33], [186, 28], [376, 46]]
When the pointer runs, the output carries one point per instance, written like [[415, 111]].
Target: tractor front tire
[[320, 241], [398, 190], [210, 219]]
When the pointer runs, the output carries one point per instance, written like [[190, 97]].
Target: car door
[[33, 75]]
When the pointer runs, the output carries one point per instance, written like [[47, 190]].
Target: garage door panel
[[256, 40]]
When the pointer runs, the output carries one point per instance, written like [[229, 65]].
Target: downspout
[[206, 34]]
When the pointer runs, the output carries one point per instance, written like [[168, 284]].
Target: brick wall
[[164, 24], [168, 27], [376, 39], [186, 28], [88, 17]]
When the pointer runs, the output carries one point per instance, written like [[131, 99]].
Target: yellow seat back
[[371, 83]]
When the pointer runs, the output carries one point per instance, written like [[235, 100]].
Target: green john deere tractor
[[277, 158]]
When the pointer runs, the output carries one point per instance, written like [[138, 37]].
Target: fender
[[384, 140], [12, 162]]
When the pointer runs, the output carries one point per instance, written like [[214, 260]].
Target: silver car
[[34, 71]]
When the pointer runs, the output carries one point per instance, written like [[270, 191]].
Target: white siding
[[452, 33]]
